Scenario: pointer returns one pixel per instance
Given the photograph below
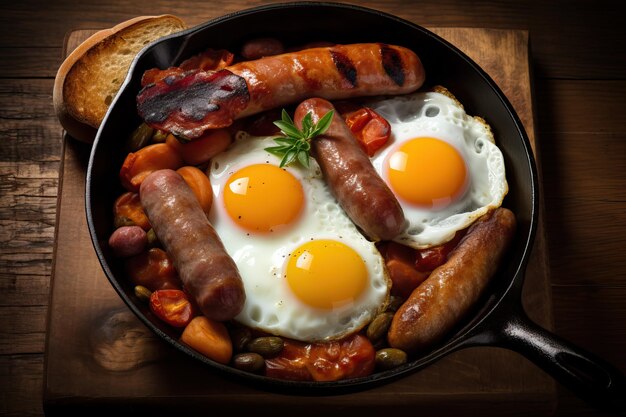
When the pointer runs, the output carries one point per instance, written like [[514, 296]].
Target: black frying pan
[[498, 320]]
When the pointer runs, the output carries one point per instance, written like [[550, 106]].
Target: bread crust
[[79, 112]]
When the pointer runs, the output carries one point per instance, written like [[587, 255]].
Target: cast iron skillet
[[498, 320]]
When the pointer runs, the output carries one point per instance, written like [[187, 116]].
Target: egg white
[[270, 304], [437, 115]]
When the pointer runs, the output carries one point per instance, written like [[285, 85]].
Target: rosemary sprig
[[296, 144]]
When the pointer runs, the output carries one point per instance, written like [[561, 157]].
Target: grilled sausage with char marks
[[189, 103]]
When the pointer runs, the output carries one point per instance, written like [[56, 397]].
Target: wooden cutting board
[[101, 359]]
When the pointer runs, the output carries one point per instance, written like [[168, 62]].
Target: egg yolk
[[427, 172], [326, 274], [263, 197]]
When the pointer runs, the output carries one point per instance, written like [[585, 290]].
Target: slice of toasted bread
[[91, 75]]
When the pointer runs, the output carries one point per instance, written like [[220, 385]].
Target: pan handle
[[588, 376]]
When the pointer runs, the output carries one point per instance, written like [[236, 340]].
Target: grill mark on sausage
[[392, 63], [345, 67], [250, 87]]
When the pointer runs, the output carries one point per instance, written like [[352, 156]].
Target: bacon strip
[[190, 103]]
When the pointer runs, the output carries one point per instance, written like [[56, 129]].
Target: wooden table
[[579, 82]]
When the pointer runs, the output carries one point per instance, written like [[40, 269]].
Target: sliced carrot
[[210, 338], [200, 150], [138, 165], [129, 206], [199, 184]]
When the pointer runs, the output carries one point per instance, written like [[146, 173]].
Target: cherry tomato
[[128, 206], [153, 269], [172, 306], [290, 363], [400, 261], [351, 357], [431, 258], [371, 129]]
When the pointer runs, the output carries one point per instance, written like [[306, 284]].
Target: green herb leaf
[[288, 129], [289, 157], [296, 144], [323, 124], [303, 158], [284, 141], [307, 124], [278, 150], [286, 118]]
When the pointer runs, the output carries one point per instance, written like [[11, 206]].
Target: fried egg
[[308, 273], [442, 165]]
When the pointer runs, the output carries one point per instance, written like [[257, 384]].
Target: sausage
[[189, 103], [261, 47], [208, 273], [434, 307], [354, 182]]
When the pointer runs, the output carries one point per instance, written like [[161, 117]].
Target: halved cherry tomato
[[431, 258], [128, 205], [154, 270], [172, 306], [370, 128], [291, 363], [352, 357], [138, 165], [400, 261]]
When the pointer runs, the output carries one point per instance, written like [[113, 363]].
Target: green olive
[[240, 337], [159, 136], [266, 346], [377, 329], [249, 362], [153, 240], [139, 138], [120, 221], [394, 303], [390, 358], [143, 293]]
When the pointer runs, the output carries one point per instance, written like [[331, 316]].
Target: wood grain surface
[[116, 359], [578, 57]]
